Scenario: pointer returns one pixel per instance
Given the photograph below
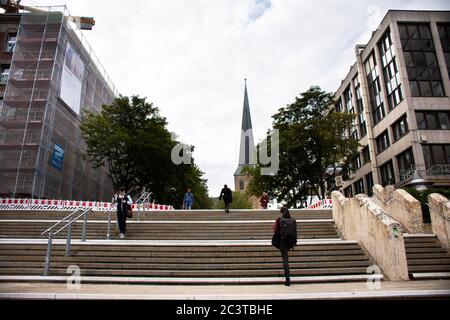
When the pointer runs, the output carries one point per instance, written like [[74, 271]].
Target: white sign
[[72, 77]]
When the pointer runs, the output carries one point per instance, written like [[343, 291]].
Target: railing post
[[83, 235], [48, 255], [69, 238], [108, 233]]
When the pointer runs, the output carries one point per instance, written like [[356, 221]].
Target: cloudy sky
[[190, 58]]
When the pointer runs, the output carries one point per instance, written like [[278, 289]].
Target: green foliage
[[310, 140], [130, 137], [422, 196], [240, 201]]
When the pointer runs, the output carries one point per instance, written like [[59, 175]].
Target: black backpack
[[288, 232]]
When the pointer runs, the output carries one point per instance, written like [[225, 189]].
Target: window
[[359, 186], [383, 141], [436, 154], [376, 97], [349, 107], [405, 163], [400, 128], [387, 174], [348, 192], [366, 154], [241, 185], [433, 120], [390, 71], [444, 35], [360, 107], [356, 163], [338, 106], [369, 184], [5, 74], [11, 42], [420, 59]]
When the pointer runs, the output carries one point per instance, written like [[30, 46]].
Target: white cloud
[[190, 59]]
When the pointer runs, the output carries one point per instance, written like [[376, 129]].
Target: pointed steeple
[[247, 146], [246, 117]]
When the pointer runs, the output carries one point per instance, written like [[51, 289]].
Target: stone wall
[[401, 206], [440, 218], [361, 219]]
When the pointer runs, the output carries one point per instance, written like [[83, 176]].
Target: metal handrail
[[69, 221], [437, 210], [143, 199], [61, 221]]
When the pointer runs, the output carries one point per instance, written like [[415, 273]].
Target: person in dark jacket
[[123, 201], [264, 201], [276, 241], [227, 197]]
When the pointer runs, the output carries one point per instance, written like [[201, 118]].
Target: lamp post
[[333, 170]]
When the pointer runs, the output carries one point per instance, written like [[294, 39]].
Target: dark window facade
[[435, 154], [366, 154], [420, 59], [433, 120], [444, 34], [241, 185], [360, 107], [356, 163], [405, 163], [348, 192], [338, 106], [383, 142], [359, 186], [400, 128], [369, 183], [350, 108], [10, 42], [390, 71], [5, 69], [375, 93], [387, 174]]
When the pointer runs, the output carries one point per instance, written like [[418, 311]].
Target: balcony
[[433, 174]]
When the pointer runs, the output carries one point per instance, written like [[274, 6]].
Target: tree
[[311, 137], [131, 138]]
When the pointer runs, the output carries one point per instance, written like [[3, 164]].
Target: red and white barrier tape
[[322, 204], [45, 204]]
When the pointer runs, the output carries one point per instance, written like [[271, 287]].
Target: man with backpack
[[285, 238], [124, 202]]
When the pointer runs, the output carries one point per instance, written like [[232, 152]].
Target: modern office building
[[399, 90], [49, 78]]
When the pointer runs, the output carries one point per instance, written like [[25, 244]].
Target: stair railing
[[67, 221]]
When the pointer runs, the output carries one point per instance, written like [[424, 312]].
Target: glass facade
[[420, 59], [382, 142], [444, 35], [54, 78], [387, 174], [436, 154], [400, 128], [375, 92], [405, 162], [390, 71], [360, 107], [433, 120]]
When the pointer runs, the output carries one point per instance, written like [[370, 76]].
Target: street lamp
[[333, 170]]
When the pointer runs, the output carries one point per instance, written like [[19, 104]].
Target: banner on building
[[71, 79], [57, 159]]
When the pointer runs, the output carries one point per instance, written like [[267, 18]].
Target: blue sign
[[57, 157]]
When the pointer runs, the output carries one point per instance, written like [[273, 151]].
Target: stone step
[[232, 265], [360, 257], [191, 273]]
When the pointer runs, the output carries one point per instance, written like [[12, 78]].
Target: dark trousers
[[227, 207], [122, 220], [285, 257]]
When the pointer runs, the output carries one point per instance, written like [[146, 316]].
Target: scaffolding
[[35, 119]]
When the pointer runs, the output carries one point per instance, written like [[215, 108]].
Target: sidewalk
[[359, 290]]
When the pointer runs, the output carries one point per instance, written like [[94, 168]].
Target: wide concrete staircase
[[426, 257], [196, 247]]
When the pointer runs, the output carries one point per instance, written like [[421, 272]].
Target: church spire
[[247, 146]]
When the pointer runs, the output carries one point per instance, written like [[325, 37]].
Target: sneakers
[[122, 236]]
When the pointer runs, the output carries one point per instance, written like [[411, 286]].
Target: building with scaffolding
[[49, 77]]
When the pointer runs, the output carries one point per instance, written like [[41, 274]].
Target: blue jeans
[[188, 205]]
